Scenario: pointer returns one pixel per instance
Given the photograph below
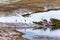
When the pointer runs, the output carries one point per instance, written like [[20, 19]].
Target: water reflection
[[29, 33]]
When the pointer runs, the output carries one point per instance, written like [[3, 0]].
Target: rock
[[8, 34]]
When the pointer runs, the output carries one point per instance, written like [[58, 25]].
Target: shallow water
[[30, 33]]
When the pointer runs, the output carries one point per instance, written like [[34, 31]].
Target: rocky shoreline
[[8, 34]]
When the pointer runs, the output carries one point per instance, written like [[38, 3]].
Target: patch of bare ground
[[8, 34], [33, 5]]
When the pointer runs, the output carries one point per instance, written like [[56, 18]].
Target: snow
[[33, 17], [29, 33]]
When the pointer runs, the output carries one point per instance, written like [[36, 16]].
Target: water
[[30, 33]]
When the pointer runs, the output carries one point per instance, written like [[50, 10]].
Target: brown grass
[[34, 5]]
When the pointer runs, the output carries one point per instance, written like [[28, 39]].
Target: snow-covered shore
[[32, 17]]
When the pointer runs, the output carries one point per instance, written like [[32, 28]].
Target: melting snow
[[33, 17]]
